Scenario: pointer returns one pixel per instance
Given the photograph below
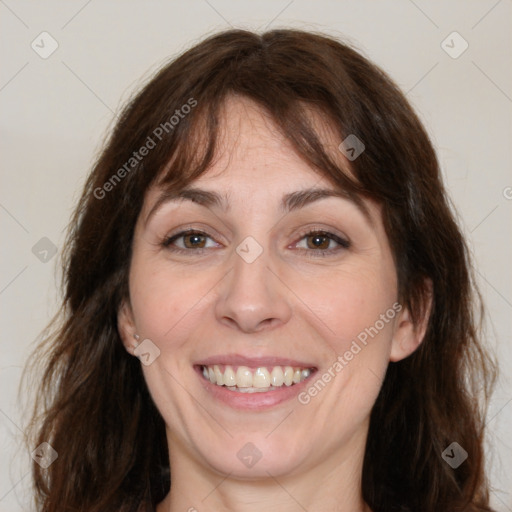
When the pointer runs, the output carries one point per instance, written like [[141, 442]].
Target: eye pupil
[[318, 240], [195, 237], [323, 241]]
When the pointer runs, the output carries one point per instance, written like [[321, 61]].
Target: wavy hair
[[92, 403]]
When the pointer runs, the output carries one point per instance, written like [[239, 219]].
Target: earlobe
[[126, 327], [409, 334]]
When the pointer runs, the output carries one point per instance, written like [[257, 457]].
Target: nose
[[252, 296]]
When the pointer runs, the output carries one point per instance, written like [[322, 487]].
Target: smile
[[243, 379], [253, 382]]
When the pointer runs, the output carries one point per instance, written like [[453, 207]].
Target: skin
[[284, 304]]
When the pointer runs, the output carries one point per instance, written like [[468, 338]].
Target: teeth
[[229, 377], [261, 378], [249, 390], [288, 375], [277, 377], [243, 377], [219, 378], [246, 380], [305, 374]]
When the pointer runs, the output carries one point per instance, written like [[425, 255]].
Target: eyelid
[[342, 240], [194, 228], [328, 233], [182, 232]]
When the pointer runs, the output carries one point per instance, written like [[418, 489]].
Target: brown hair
[[94, 407]]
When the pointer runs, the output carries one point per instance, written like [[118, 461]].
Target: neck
[[330, 485]]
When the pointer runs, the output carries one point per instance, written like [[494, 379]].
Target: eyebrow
[[290, 202]]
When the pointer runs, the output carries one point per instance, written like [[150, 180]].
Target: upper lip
[[253, 362]]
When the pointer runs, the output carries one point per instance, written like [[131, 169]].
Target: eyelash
[[312, 253]]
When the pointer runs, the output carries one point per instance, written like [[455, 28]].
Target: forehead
[[255, 160], [244, 124], [253, 152]]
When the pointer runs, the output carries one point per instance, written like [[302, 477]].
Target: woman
[[267, 301]]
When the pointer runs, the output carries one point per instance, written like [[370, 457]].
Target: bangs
[[317, 95], [313, 139]]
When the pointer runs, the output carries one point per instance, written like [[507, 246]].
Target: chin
[[255, 456]]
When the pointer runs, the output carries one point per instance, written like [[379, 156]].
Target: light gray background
[[55, 113]]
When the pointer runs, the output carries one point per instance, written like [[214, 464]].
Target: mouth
[[253, 383], [243, 379]]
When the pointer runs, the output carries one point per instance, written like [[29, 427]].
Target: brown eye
[[319, 242], [187, 241], [194, 240]]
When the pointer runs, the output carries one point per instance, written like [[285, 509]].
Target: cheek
[[164, 300], [350, 300]]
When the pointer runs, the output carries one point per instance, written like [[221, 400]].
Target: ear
[[408, 334], [126, 326]]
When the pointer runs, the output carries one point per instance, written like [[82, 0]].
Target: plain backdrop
[[56, 110]]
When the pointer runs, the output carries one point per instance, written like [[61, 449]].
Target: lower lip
[[257, 400]]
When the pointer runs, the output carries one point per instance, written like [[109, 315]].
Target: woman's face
[[287, 299]]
